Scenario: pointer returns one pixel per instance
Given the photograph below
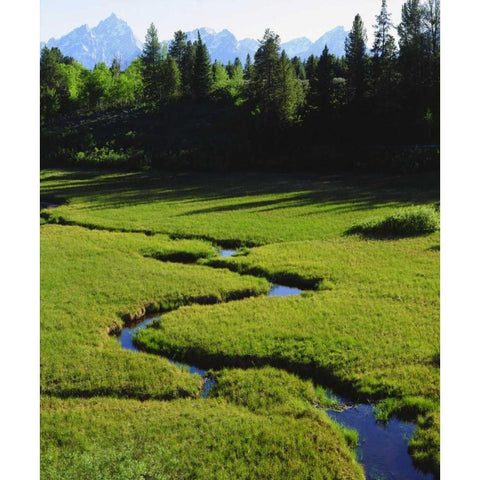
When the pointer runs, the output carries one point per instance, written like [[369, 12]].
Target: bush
[[107, 157], [402, 223]]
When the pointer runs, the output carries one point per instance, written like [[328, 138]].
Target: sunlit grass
[[248, 209], [126, 439], [90, 280], [368, 328]]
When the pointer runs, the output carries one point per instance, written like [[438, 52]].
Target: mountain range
[[113, 37]]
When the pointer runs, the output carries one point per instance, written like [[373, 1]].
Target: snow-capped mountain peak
[[113, 37]]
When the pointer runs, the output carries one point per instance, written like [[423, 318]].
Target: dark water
[[126, 340], [382, 448], [277, 290], [127, 334], [209, 381]]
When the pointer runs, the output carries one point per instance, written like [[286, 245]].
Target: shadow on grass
[[110, 190], [381, 235]]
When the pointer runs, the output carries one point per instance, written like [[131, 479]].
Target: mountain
[[247, 46], [297, 46], [223, 46], [111, 38], [333, 39]]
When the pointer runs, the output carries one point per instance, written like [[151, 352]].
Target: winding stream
[[382, 449]]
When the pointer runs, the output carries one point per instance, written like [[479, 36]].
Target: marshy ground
[[120, 245]]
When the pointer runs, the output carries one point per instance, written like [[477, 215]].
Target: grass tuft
[[406, 222]]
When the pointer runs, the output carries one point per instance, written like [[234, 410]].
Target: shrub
[[108, 157], [402, 223]]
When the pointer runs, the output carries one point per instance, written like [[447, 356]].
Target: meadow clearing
[[122, 245]]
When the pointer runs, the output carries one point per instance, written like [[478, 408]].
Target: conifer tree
[[384, 43], [178, 46], [419, 67], [151, 65], [229, 69], [413, 48], [431, 15], [385, 80], [310, 66], [115, 68], [299, 68], [384, 54], [321, 86], [289, 94], [356, 59], [274, 88], [170, 79], [265, 74], [202, 73], [248, 70], [186, 69]]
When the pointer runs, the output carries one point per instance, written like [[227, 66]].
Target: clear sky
[[244, 18]]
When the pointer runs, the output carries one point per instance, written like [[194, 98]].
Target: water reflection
[[227, 253], [283, 291], [383, 448]]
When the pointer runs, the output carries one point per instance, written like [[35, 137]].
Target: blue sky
[[245, 18]]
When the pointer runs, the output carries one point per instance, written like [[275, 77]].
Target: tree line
[[389, 94]]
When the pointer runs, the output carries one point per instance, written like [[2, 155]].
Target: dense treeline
[[326, 111]]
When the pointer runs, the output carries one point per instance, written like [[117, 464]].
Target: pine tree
[[288, 91], [321, 86], [384, 81], [178, 46], [299, 68], [384, 43], [431, 18], [169, 79], [413, 50], [115, 68], [431, 15], [310, 66], [186, 69], [274, 89], [202, 73], [265, 74], [229, 69], [237, 63], [151, 65], [356, 58], [248, 70], [419, 40]]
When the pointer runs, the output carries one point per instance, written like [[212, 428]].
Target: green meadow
[[123, 245]]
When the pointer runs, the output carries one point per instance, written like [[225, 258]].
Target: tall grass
[[404, 222]]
